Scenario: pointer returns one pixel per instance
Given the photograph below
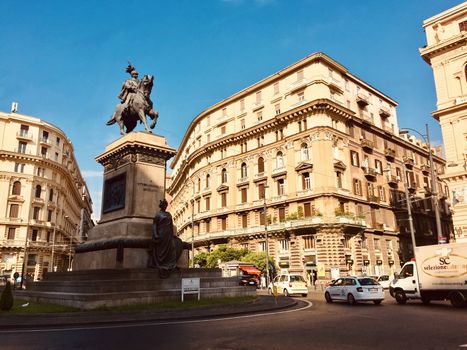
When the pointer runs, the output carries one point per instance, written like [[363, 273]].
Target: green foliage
[[340, 212], [300, 212], [6, 299], [292, 216], [201, 259], [316, 212]]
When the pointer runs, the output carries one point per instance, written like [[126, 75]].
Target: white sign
[[190, 286]]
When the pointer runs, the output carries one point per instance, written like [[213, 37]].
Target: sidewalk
[[264, 303]]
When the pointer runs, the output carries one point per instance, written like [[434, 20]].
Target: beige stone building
[[45, 207], [321, 150], [446, 53]]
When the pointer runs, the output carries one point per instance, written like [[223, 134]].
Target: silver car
[[354, 289]]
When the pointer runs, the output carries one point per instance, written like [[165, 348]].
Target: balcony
[[279, 198], [334, 83], [350, 220], [425, 169], [24, 135], [363, 99], [379, 226], [242, 206], [392, 180], [373, 199], [304, 193], [366, 118], [12, 243], [390, 154], [408, 161], [412, 186], [259, 176], [242, 180], [297, 85], [45, 141], [367, 144], [279, 171], [370, 173], [384, 112]]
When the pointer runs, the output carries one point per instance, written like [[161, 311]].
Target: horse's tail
[[111, 121]]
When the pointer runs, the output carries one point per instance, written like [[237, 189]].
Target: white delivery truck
[[439, 272]]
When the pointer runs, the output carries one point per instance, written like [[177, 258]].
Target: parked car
[[355, 289], [385, 280], [248, 280], [289, 284]]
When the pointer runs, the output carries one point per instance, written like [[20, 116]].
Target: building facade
[[45, 207], [446, 53], [319, 150]]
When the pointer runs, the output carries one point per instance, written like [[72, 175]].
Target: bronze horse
[[139, 105]]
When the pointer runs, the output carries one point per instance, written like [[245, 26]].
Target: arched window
[[260, 165], [38, 191], [224, 176], [51, 195], [16, 190], [304, 155], [199, 184], [279, 160], [244, 171], [208, 181]]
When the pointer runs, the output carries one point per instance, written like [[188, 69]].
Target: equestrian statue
[[135, 103]]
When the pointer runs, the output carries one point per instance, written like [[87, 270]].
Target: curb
[[80, 318]]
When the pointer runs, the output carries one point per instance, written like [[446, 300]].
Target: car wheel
[[328, 298], [457, 299], [377, 302], [351, 299], [304, 295], [286, 292], [400, 296]]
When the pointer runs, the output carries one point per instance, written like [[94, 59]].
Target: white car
[[385, 280], [355, 289], [288, 285]]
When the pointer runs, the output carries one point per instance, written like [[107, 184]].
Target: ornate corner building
[[446, 53], [318, 149], [45, 207]]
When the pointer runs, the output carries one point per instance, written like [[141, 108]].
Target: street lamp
[[434, 192]]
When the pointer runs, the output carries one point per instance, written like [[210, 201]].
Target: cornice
[[429, 52], [449, 110]]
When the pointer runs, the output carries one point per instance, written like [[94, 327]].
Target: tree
[[201, 259], [6, 299], [223, 254]]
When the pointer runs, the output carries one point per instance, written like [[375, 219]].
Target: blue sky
[[64, 61]]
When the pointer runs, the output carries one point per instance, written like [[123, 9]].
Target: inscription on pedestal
[[114, 193]]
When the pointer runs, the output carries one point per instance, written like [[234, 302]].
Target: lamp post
[[409, 211], [434, 190]]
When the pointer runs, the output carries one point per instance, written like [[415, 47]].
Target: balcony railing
[[366, 118], [242, 179], [367, 144], [390, 153], [384, 112], [392, 180], [373, 199], [408, 161], [363, 99], [24, 135], [45, 141], [370, 173], [425, 169], [304, 193]]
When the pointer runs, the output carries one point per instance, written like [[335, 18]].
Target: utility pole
[[409, 211], [266, 236]]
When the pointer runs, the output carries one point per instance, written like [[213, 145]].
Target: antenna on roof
[[14, 107]]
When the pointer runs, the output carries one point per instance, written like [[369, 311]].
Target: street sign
[[191, 286]]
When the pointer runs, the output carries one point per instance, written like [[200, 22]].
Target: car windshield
[[296, 278], [367, 281]]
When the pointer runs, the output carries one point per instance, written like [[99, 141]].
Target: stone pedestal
[[134, 183]]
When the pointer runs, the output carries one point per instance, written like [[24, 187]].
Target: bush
[[6, 299]]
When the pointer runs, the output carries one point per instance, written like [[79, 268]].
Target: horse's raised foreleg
[[153, 115]]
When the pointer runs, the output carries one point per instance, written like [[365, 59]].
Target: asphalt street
[[312, 324]]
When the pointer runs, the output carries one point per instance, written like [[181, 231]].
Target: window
[[198, 206], [281, 214], [34, 235], [261, 191], [242, 104], [283, 245], [304, 124], [242, 123], [223, 223], [14, 210], [262, 246], [277, 108], [339, 179], [45, 136], [354, 158], [276, 88], [36, 213], [259, 116], [40, 171], [357, 187], [306, 181], [243, 169], [223, 130], [308, 243], [260, 165], [58, 141], [224, 199], [208, 138], [11, 233], [279, 160], [304, 155], [207, 226], [463, 26], [244, 220], [208, 181], [16, 189], [382, 193], [224, 175], [300, 75], [44, 151], [24, 129], [378, 166], [56, 156], [280, 187], [399, 174], [224, 112], [49, 215], [32, 259], [260, 141], [377, 243], [38, 191], [21, 147], [244, 194], [301, 96], [307, 209], [207, 203], [19, 168], [258, 98]]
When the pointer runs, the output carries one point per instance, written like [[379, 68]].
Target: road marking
[[154, 323]]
